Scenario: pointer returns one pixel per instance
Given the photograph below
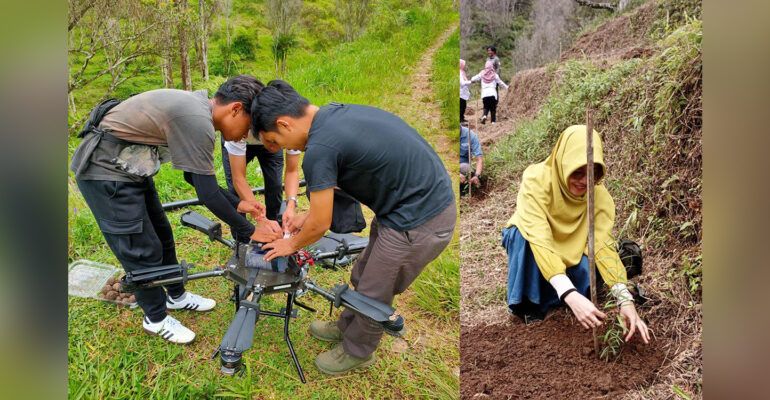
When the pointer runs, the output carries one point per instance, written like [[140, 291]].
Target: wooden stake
[[470, 158], [590, 210]]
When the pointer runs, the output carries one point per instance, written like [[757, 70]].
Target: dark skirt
[[530, 296]]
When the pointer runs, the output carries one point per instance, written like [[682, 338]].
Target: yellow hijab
[[548, 215]]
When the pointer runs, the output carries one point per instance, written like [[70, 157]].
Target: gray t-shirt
[[176, 119], [378, 159], [495, 63]]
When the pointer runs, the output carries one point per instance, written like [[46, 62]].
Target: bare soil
[[549, 359], [615, 38]]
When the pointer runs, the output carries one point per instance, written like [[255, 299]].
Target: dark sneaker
[[326, 331], [337, 362]]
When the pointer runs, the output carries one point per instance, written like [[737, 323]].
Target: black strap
[[563, 295]]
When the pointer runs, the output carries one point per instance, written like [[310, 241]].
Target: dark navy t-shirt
[[378, 159]]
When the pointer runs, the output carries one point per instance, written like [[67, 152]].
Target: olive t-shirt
[[176, 119], [378, 159]]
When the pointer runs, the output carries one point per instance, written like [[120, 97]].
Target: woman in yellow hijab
[[547, 238]]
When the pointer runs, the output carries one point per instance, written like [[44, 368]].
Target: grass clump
[[447, 85]]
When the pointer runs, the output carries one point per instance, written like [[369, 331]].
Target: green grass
[[366, 71], [447, 85], [110, 357]]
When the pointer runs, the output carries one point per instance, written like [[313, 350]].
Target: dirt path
[[424, 106], [421, 110]]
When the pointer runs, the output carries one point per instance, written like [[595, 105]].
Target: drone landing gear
[[240, 334]]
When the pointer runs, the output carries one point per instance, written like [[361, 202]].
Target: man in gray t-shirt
[[124, 200], [381, 161]]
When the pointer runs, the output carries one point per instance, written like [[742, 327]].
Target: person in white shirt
[[465, 92], [235, 157], [489, 81]]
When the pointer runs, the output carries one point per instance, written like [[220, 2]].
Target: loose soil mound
[[616, 37], [511, 361], [526, 93]]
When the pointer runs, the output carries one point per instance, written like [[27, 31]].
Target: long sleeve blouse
[[607, 262], [465, 92], [489, 89]]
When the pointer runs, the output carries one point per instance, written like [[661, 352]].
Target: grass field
[[110, 357]]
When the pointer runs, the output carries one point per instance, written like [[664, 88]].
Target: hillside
[[641, 74]]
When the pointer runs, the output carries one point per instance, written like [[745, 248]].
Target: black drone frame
[[254, 278]]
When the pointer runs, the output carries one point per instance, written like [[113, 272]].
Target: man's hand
[[632, 322], [475, 180], [462, 178], [256, 210], [288, 215], [273, 226], [279, 248], [295, 224], [585, 311], [263, 234]]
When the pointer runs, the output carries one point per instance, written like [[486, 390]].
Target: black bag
[[631, 256], [97, 114], [347, 215]]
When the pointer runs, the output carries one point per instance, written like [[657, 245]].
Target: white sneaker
[[169, 329], [484, 119], [493, 123], [189, 301]]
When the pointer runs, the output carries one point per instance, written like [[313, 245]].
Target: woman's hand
[[585, 311], [633, 322]]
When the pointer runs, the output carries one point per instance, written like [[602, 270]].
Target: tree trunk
[[203, 51], [184, 48]]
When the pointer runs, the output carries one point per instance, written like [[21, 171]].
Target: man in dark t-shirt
[[109, 170], [381, 161]]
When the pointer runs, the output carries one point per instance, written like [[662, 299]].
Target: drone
[[253, 278]]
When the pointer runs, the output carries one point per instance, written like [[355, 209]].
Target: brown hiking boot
[[337, 362], [326, 331]]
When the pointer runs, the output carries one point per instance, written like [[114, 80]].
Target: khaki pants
[[388, 265]]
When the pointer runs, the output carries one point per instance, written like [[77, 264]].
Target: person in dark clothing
[[109, 166], [381, 161]]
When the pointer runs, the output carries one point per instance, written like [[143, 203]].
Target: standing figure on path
[[122, 150], [465, 92], [381, 161], [489, 81], [492, 56], [547, 237], [467, 177]]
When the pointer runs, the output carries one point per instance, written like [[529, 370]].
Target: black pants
[[135, 227], [490, 105], [463, 104], [272, 169]]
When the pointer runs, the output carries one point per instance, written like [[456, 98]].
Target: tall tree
[[353, 14], [281, 18], [118, 34], [206, 12], [183, 38]]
